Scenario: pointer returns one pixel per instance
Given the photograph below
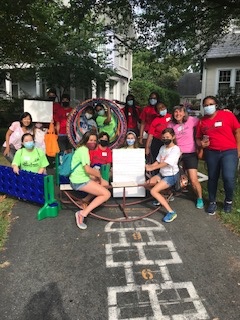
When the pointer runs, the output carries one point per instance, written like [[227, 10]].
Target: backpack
[[64, 169], [182, 180]]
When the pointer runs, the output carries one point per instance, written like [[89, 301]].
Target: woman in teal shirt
[[81, 180]]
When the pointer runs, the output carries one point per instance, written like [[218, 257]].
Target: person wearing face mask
[[102, 154], [167, 164], [218, 132], [132, 114], [61, 123], [29, 158], [131, 141], [86, 123], [148, 114], [106, 121], [87, 179], [160, 123], [185, 127], [52, 96]]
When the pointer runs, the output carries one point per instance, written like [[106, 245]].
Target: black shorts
[[189, 160]]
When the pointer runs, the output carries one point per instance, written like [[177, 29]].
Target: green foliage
[[10, 110], [141, 90]]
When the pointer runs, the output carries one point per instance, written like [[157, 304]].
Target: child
[[167, 162], [80, 178], [131, 141], [29, 157]]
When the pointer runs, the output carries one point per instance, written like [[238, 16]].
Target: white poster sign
[[129, 170], [41, 111]]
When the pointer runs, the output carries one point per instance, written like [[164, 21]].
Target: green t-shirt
[[79, 175], [110, 128], [30, 160]]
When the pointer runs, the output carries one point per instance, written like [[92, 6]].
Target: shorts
[[170, 180], [189, 160], [79, 186]]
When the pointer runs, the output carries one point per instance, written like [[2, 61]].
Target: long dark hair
[[24, 115], [135, 114], [86, 137]]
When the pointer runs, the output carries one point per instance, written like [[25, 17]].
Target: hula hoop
[[73, 121]]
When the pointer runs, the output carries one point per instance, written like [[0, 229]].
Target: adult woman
[[131, 141], [218, 133], [147, 115], [14, 134], [29, 157], [154, 141], [106, 121], [167, 162], [132, 114], [80, 178], [61, 123], [184, 127]]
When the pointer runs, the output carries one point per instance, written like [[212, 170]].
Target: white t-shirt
[[170, 156]]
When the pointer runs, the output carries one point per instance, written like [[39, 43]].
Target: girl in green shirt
[[81, 180]]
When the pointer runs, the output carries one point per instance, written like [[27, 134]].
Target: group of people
[[168, 138]]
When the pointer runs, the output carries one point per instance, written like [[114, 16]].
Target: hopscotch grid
[[154, 290]]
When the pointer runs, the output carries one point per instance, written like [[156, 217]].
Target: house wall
[[211, 73]]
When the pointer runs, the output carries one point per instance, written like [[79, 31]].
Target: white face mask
[[101, 112], [88, 115], [209, 110]]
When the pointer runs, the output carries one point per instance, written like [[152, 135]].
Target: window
[[237, 84], [224, 80]]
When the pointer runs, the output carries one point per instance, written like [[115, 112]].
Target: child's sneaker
[[80, 224], [170, 216], [156, 203], [199, 203]]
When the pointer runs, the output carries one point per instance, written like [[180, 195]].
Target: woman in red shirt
[[132, 114], [160, 123], [147, 115], [218, 132]]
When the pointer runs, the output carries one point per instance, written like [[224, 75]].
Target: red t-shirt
[[132, 121], [99, 156], [220, 129], [61, 117], [147, 115], [158, 125], [56, 108]]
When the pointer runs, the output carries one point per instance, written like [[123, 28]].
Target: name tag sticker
[[104, 154], [218, 124], [180, 128], [168, 119]]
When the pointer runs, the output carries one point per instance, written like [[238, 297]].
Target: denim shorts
[[79, 186], [170, 180]]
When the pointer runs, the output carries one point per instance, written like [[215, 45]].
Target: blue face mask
[[101, 112], [130, 142], [130, 103], [163, 112], [153, 102], [209, 110], [29, 145]]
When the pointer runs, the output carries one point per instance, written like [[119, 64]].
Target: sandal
[[79, 220]]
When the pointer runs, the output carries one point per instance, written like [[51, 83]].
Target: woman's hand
[[6, 151], [148, 167], [205, 143]]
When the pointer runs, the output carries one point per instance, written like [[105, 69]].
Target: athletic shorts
[[189, 160]]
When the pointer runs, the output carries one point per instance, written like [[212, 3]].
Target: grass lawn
[[6, 204]]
